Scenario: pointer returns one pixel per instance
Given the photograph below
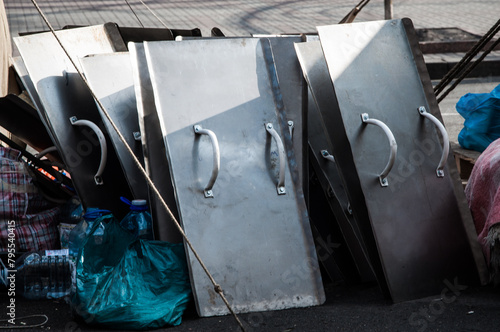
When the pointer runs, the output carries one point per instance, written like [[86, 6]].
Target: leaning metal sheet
[[110, 77], [293, 89], [64, 95], [315, 71], [418, 220], [254, 237], [155, 157]]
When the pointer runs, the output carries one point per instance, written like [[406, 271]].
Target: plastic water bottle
[[138, 221], [71, 214], [80, 231], [43, 275]]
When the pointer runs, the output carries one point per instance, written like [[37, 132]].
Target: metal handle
[[446, 140], [215, 170], [280, 187], [102, 142], [392, 141], [325, 154]]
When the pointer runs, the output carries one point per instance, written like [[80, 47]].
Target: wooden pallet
[[465, 160]]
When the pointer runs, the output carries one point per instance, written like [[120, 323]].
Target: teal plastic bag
[[481, 112], [130, 285]]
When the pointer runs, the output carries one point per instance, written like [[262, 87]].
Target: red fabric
[[483, 193], [35, 220]]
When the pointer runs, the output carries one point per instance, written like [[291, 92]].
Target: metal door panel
[[416, 223], [63, 95], [155, 157], [293, 89], [322, 96], [257, 243], [110, 77]]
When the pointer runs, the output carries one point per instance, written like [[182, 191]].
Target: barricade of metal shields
[[384, 128]]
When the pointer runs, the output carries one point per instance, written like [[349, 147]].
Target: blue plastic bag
[[481, 112], [130, 285]]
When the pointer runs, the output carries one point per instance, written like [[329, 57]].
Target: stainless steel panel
[[293, 90], [256, 242], [110, 77], [418, 223], [155, 157], [63, 95], [322, 96]]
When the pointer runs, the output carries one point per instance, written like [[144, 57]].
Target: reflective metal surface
[[294, 92], [63, 94], [419, 224], [257, 244], [155, 157], [351, 255], [110, 77]]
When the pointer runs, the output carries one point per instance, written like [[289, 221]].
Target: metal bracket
[[291, 126], [326, 155]]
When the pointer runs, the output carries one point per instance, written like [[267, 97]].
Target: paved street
[[245, 17]]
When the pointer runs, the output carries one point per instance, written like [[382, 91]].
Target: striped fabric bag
[[23, 211]]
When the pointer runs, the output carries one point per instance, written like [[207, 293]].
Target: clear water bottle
[[81, 230], [71, 214], [43, 276], [138, 221]]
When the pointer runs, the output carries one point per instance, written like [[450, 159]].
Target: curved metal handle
[[102, 142], [446, 140], [215, 170], [280, 187], [326, 155], [392, 141]]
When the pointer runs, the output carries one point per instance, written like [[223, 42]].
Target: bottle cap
[[139, 202]]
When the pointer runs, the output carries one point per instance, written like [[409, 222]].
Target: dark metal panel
[[22, 120], [63, 95], [256, 242], [416, 223], [155, 156], [322, 97], [110, 77]]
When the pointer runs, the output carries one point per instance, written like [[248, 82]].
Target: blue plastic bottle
[[138, 221], [80, 231]]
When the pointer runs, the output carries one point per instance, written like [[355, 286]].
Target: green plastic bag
[[126, 284]]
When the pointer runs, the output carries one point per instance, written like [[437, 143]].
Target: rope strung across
[[132, 10], [464, 65], [218, 289], [153, 13]]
